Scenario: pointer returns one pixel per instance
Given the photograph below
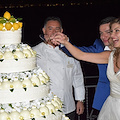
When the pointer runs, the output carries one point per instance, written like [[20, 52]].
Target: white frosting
[[8, 66], [20, 95], [10, 37]]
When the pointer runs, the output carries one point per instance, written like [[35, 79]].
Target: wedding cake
[[24, 88]]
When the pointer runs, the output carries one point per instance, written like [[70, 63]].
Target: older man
[[65, 72]]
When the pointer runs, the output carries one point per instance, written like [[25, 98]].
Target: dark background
[[80, 20]]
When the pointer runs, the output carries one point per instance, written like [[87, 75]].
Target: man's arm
[[79, 90]]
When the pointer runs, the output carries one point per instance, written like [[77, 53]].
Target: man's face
[[51, 27], [105, 33]]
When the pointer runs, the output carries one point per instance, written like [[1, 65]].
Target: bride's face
[[115, 34]]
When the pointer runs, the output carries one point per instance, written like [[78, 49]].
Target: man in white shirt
[[65, 72]]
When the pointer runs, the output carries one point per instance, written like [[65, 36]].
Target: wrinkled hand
[[58, 38], [80, 108]]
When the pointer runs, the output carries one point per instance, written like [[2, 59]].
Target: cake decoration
[[9, 22]]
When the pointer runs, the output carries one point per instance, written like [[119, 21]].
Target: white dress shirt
[[64, 72], [106, 48]]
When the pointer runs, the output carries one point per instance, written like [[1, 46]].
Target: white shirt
[[106, 48], [64, 72]]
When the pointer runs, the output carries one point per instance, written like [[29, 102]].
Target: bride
[[111, 107]]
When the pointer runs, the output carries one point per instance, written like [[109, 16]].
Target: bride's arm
[[89, 57], [78, 54]]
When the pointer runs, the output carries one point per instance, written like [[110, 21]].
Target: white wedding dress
[[111, 107]]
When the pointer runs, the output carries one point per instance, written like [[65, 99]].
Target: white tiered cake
[[24, 88]]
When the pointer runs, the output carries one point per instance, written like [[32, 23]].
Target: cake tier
[[10, 37], [56, 116], [46, 108], [22, 95], [16, 58], [23, 86], [13, 65]]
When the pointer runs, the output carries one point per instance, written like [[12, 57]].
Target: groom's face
[[104, 31]]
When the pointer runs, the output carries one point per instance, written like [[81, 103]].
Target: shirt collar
[[106, 48]]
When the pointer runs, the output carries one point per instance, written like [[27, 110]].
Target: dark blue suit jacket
[[103, 86]]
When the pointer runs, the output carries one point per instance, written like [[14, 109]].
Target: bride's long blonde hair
[[117, 51]]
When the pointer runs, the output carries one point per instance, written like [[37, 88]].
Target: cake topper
[[9, 22]]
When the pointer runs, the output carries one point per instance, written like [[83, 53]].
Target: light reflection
[[45, 5]]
